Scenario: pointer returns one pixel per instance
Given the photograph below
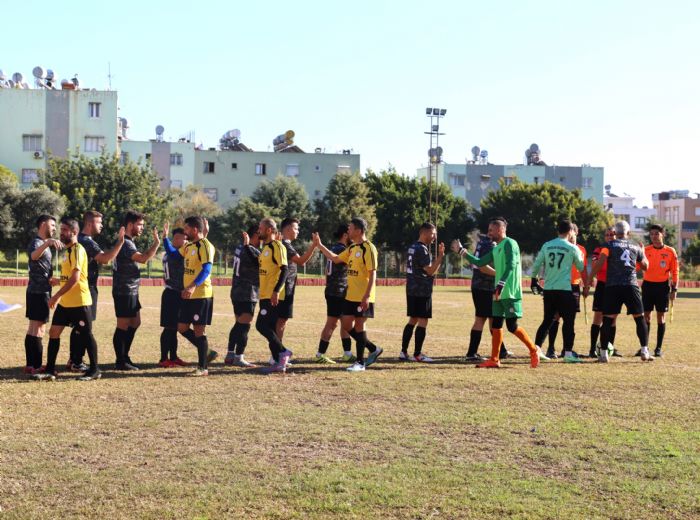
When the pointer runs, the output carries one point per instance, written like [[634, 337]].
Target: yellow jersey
[[272, 257], [361, 260], [74, 258], [196, 254]]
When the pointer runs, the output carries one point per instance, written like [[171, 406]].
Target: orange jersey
[[575, 273], [663, 262]]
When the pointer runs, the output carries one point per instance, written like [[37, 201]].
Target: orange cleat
[[490, 363], [534, 359]]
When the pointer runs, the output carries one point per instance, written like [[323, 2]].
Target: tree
[[347, 196], [106, 185], [226, 229], [670, 231], [191, 201], [533, 210], [7, 174], [691, 254], [289, 199]]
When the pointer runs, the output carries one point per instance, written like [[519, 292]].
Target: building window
[[317, 193], [148, 156], [176, 183], [94, 143], [123, 157], [212, 193], [507, 181], [536, 180], [640, 222], [175, 159], [208, 167], [292, 170], [31, 143], [458, 180], [587, 182], [94, 109], [234, 192], [343, 168], [260, 169], [29, 175], [697, 211], [234, 166], [562, 179]]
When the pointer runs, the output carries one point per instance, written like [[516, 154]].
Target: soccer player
[[72, 302], [273, 272], [358, 306], [171, 299], [245, 293], [656, 291], [39, 289], [621, 287], [126, 280], [336, 287], [420, 273], [197, 295], [558, 257], [482, 288], [598, 296], [289, 228], [92, 226], [507, 298]]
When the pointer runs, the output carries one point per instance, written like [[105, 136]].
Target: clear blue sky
[[610, 83]]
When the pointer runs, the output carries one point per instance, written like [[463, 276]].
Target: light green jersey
[[557, 256], [506, 261]]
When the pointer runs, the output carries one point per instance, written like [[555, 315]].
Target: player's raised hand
[[315, 239], [166, 229], [456, 245], [246, 238], [121, 234], [156, 235], [205, 231]]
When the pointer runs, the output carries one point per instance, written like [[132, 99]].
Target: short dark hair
[[340, 231], [501, 221], [132, 216], [564, 226], [269, 222], [178, 231], [252, 230], [43, 218], [288, 222], [426, 226], [195, 221], [71, 223], [91, 215], [657, 227], [359, 223]]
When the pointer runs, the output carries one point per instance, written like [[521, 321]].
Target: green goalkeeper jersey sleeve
[[506, 256]]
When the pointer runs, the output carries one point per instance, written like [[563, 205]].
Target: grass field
[[398, 441]]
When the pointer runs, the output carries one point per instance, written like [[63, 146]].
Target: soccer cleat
[[639, 353], [177, 362], [230, 358], [285, 355], [403, 356], [126, 367], [356, 367], [422, 358], [348, 358], [166, 363], [616, 353], [200, 372], [541, 355], [372, 358], [45, 376], [474, 358], [72, 367], [28, 370], [489, 363], [534, 359], [551, 354], [657, 352], [646, 355], [277, 367], [505, 354], [90, 375], [572, 359], [324, 360], [241, 362], [212, 355], [603, 357]]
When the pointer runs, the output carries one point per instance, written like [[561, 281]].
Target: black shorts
[[576, 292], [483, 303], [240, 308], [93, 307], [598, 297], [629, 295], [38, 307], [267, 314], [419, 306], [353, 309], [126, 305], [77, 317], [170, 303], [334, 306], [562, 303], [285, 308], [197, 311], [656, 296]]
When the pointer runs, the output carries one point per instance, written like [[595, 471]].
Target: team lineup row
[[265, 271]]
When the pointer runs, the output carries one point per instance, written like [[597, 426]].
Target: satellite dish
[[475, 150], [235, 133], [160, 130], [49, 74], [2, 75], [125, 123], [534, 148], [528, 153], [484, 154], [17, 78], [38, 72]]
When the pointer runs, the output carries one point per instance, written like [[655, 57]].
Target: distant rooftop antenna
[[109, 75], [75, 81], [532, 154], [483, 157], [18, 80], [230, 139], [159, 133], [475, 153]]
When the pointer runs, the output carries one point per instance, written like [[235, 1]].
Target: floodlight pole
[[435, 158]]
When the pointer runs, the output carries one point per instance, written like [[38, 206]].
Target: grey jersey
[[336, 275], [126, 273], [92, 250], [418, 282], [174, 271], [481, 281], [292, 269], [245, 285], [622, 262], [40, 271]]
